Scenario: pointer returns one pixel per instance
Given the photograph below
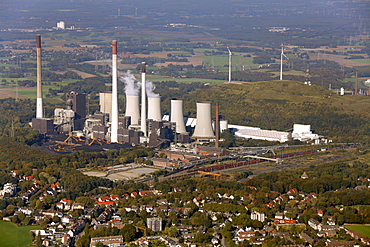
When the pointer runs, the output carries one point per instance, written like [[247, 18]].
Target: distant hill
[[279, 104]]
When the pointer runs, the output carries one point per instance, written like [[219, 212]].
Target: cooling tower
[[177, 115], [143, 98], [105, 102], [154, 108], [114, 117], [39, 113], [203, 129], [132, 108]]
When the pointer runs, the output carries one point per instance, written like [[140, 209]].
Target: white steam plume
[[150, 88], [131, 84]]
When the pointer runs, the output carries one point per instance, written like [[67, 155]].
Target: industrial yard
[[122, 172]]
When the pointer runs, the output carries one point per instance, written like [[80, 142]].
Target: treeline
[[151, 61]]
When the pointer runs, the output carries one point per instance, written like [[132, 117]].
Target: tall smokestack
[[177, 115], [132, 108], [356, 85], [114, 117], [203, 129], [217, 125], [39, 113], [143, 98], [154, 108]]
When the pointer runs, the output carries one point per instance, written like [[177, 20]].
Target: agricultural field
[[362, 229], [14, 236], [155, 78], [365, 61]]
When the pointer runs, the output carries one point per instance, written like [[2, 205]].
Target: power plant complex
[[143, 125]]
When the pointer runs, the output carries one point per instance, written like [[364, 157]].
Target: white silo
[[177, 115], [203, 129], [132, 108], [154, 108], [224, 125]]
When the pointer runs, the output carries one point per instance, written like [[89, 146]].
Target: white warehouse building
[[301, 132], [260, 134]]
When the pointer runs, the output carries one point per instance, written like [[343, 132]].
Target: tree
[[171, 231], [38, 240], [83, 241], [26, 221], [85, 200], [128, 232], [228, 139], [202, 238]]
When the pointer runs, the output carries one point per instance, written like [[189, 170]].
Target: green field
[[14, 236], [183, 80], [362, 229], [221, 62], [367, 61], [7, 65]]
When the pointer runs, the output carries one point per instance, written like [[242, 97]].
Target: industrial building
[[259, 134], [300, 132]]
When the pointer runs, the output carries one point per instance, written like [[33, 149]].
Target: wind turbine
[[230, 54], [281, 61]]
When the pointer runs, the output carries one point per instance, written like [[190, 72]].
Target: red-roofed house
[[144, 192], [114, 197]]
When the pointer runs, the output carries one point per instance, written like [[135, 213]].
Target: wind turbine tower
[[281, 61], [230, 65]]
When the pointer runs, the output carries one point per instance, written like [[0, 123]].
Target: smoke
[[131, 84], [150, 88]]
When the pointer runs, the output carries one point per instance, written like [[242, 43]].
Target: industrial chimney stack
[[143, 98], [177, 115], [203, 129], [39, 113], [217, 125], [114, 117]]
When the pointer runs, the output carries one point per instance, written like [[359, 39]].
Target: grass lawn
[[14, 236], [362, 229]]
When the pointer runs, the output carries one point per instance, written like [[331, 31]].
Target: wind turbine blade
[[229, 51]]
